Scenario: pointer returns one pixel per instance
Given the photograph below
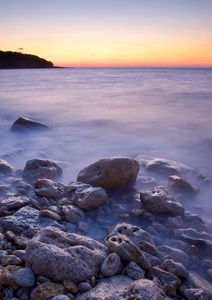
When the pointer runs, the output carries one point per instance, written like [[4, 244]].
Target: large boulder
[[160, 201], [40, 168], [110, 172], [22, 124], [59, 255]]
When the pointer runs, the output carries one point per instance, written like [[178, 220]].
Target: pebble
[[111, 265], [24, 277], [70, 286], [49, 214], [84, 287], [134, 271], [11, 260]]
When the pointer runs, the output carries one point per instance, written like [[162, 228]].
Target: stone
[[127, 250], [84, 287], [49, 214], [7, 275], [169, 281], [11, 260], [15, 202], [175, 268], [23, 124], [6, 168], [110, 173], [20, 253], [161, 201], [176, 254], [201, 240], [73, 214], [49, 188], [198, 280], [144, 289], [111, 265], [48, 290], [27, 221], [86, 196], [134, 271], [24, 277], [196, 294], [58, 255], [61, 297], [178, 184], [40, 168], [70, 286], [111, 288], [138, 236], [174, 222], [164, 167], [194, 221]]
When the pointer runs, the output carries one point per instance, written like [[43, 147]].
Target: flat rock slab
[[111, 288], [110, 172], [58, 255], [23, 124], [27, 221]]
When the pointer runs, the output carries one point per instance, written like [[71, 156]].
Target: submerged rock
[[40, 168], [161, 201], [5, 167], [59, 255], [180, 185], [110, 172], [22, 124]]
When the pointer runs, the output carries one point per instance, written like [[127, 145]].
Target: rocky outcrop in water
[[80, 241], [24, 124]]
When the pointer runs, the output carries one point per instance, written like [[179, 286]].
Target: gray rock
[[194, 221], [176, 254], [196, 294], [174, 222], [175, 268], [111, 265], [127, 250], [86, 196], [40, 168], [198, 280], [84, 287], [111, 288], [134, 271], [22, 124], [61, 297], [15, 202], [49, 214], [160, 201], [6, 168], [58, 255], [144, 289], [180, 185], [24, 277], [111, 172], [73, 214], [27, 221], [11, 260], [49, 188]]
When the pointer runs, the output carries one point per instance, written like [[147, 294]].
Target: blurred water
[[97, 113]]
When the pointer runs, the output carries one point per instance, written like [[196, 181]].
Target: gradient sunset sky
[[110, 32]]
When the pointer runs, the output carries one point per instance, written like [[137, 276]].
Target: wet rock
[[72, 213], [27, 221], [175, 268], [49, 214], [47, 291], [194, 221], [24, 277], [111, 172], [163, 166], [134, 271], [176, 254], [200, 281], [70, 286], [84, 287], [144, 289], [40, 168], [161, 201], [161, 228], [127, 250], [195, 294], [20, 253], [110, 288], [142, 214], [180, 185], [15, 202], [169, 281], [7, 275], [138, 236], [10, 260], [6, 168], [86, 196], [60, 256], [202, 240], [153, 260], [49, 188], [174, 222], [178, 244], [22, 124], [61, 297], [111, 265]]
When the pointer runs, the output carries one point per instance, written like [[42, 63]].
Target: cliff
[[17, 60]]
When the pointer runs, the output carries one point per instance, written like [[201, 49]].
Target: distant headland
[[17, 60]]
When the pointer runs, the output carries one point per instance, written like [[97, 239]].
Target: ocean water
[[102, 112]]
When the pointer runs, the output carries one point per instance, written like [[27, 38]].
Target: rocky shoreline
[[122, 230]]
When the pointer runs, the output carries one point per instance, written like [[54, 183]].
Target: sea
[[97, 113]]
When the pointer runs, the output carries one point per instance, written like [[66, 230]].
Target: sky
[[98, 33]]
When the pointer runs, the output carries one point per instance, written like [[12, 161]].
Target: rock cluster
[[100, 237]]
